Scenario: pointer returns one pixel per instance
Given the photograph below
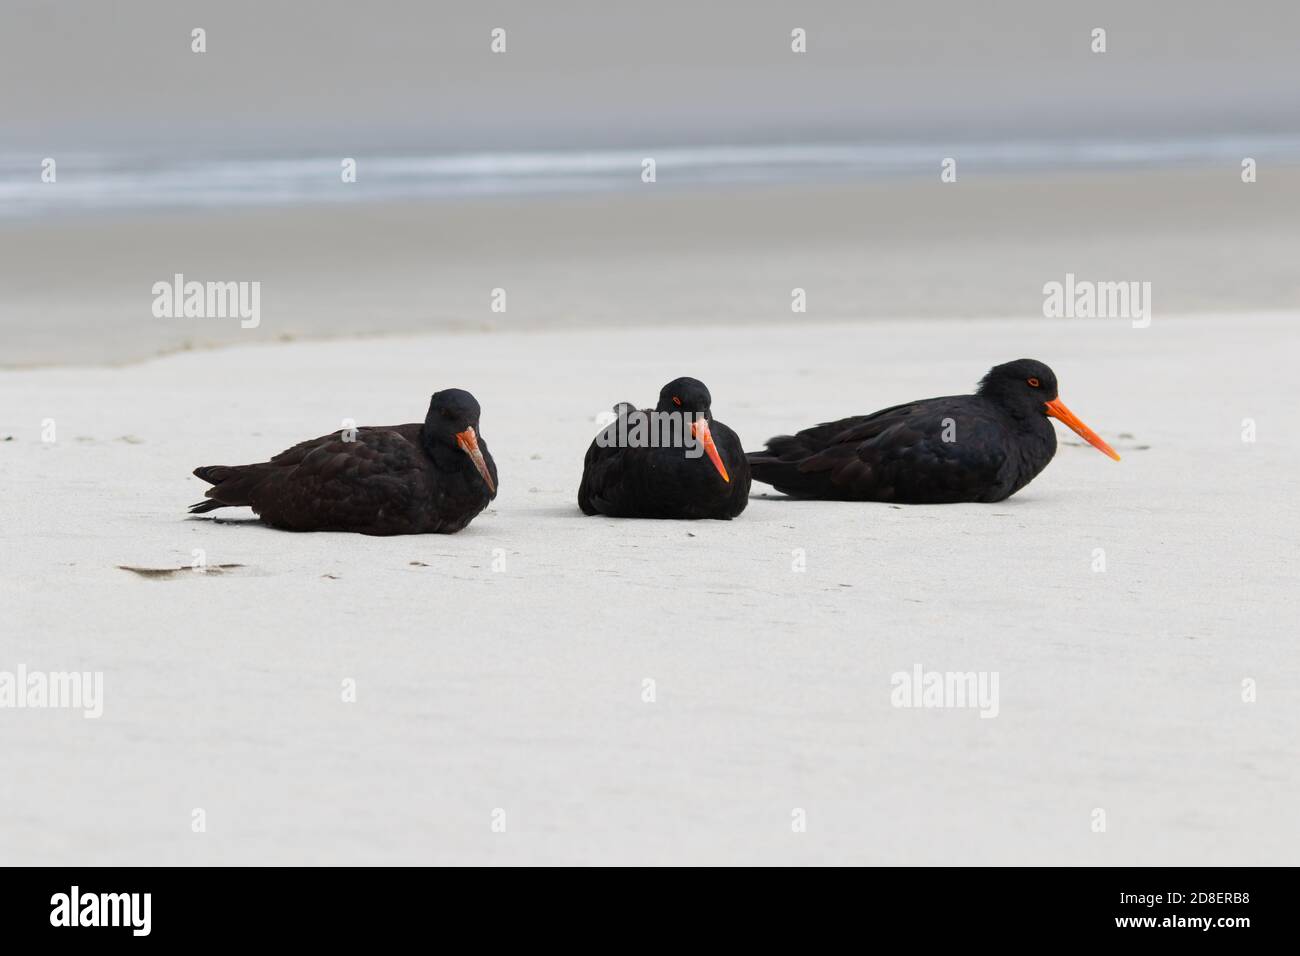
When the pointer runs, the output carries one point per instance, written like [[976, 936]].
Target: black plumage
[[981, 447], [400, 479], [665, 482]]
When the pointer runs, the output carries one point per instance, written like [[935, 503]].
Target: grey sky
[[87, 74]]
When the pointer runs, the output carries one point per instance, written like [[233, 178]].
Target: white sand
[[521, 688], [80, 290]]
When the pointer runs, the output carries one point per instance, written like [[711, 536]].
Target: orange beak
[[468, 443], [1056, 409], [700, 430]]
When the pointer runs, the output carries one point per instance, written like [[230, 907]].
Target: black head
[[452, 422], [691, 396], [685, 395], [451, 411], [1024, 384], [1025, 388]]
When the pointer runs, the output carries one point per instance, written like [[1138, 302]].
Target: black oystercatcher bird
[[400, 479], [675, 461], [981, 447]]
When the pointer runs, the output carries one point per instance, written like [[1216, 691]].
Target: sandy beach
[[80, 292], [503, 668], [227, 229]]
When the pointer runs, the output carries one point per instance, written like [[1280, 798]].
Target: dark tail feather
[[778, 465], [785, 447], [786, 477], [226, 490], [764, 467], [214, 474]]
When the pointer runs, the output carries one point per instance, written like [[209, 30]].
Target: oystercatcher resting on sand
[[981, 447], [673, 461], [400, 479]]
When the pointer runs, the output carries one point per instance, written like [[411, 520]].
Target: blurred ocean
[[124, 182]]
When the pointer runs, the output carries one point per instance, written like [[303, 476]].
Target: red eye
[[1033, 382], [677, 401]]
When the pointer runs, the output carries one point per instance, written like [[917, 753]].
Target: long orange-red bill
[[468, 443], [1056, 409], [700, 429]]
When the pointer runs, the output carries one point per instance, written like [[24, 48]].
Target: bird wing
[[603, 471], [732, 451], [328, 482], [817, 438], [933, 450]]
